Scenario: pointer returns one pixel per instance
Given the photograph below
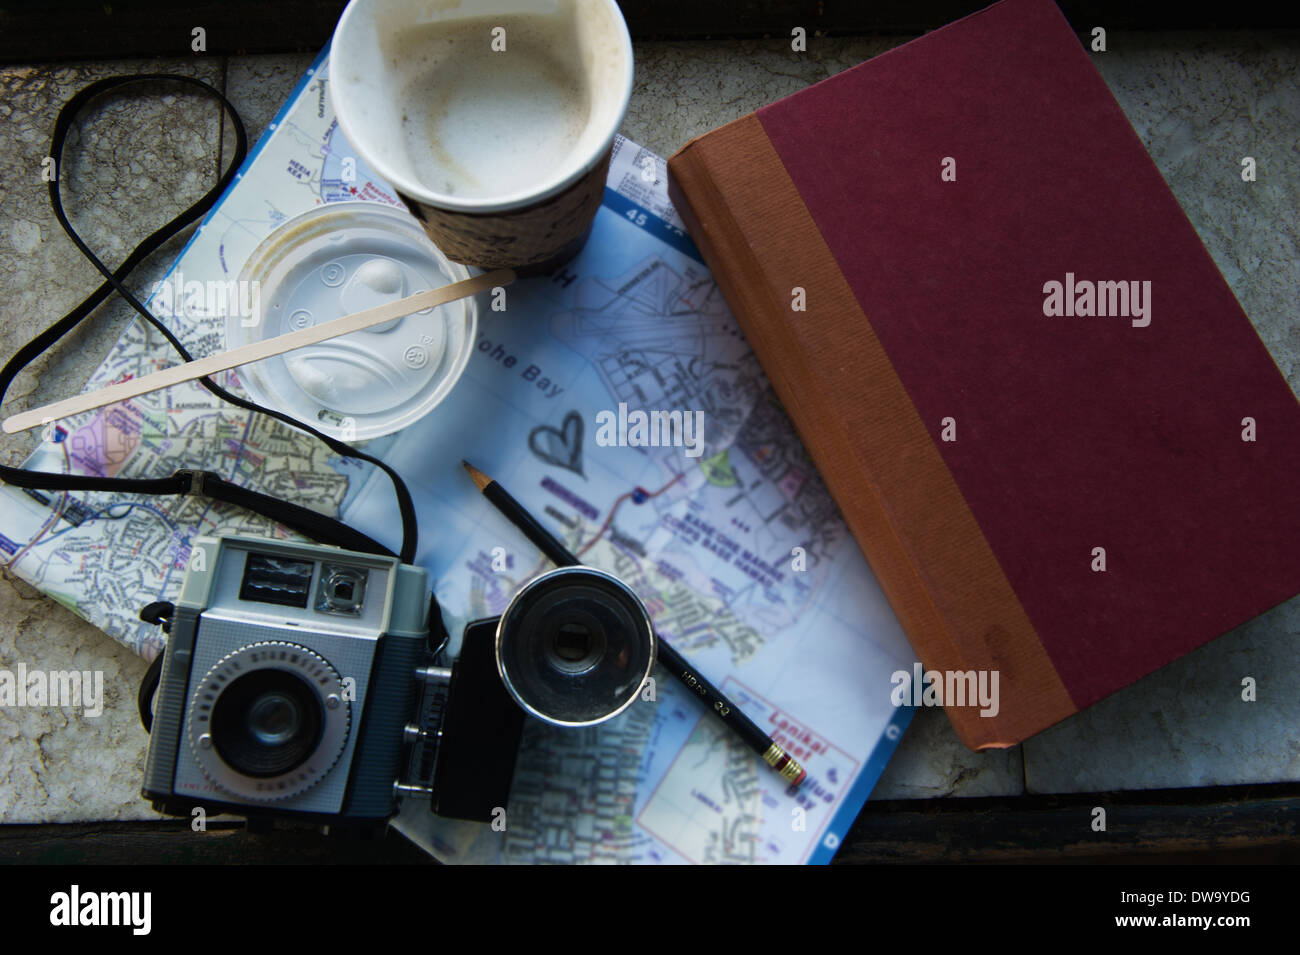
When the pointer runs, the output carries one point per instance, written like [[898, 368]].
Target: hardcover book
[[1050, 426]]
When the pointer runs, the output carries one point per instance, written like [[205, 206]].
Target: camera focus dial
[[269, 721]]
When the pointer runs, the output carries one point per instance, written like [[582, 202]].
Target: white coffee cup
[[493, 119]]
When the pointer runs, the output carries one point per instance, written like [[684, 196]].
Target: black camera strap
[[312, 524]]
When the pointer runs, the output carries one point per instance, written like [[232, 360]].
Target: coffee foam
[[448, 115], [478, 122]]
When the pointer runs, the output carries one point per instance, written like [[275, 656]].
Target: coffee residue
[[481, 122]]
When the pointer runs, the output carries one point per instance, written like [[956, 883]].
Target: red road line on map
[[609, 519]]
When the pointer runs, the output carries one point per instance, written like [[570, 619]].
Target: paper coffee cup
[[493, 119]]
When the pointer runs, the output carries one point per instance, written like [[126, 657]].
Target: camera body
[[289, 676], [302, 681]]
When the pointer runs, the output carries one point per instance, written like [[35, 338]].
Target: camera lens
[[267, 723], [573, 641], [575, 646], [275, 719]]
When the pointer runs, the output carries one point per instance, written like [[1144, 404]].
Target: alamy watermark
[[192, 298], [1085, 298], [924, 687], [73, 908], [651, 429], [76, 688]]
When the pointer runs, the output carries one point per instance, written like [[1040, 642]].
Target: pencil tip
[[481, 480]]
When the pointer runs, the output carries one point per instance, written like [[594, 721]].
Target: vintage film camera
[[304, 681]]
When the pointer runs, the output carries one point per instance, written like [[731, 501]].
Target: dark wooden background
[[96, 29], [1239, 824]]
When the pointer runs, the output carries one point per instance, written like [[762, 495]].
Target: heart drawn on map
[[560, 446]]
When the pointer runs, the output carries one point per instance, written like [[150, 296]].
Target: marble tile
[[258, 86], [931, 762], [129, 166], [1187, 724], [64, 764], [686, 88]]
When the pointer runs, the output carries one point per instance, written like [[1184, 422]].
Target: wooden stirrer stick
[[257, 351]]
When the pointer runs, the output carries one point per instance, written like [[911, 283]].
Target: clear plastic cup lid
[[338, 259]]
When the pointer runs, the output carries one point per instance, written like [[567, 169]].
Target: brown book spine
[[757, 310], [914, 528]]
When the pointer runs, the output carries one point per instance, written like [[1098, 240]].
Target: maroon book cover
[[1054, 432]]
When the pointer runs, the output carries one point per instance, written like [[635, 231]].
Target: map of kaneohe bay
[[736, 548]]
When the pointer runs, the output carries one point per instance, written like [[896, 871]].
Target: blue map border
[[856, 798], [663, 231]]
